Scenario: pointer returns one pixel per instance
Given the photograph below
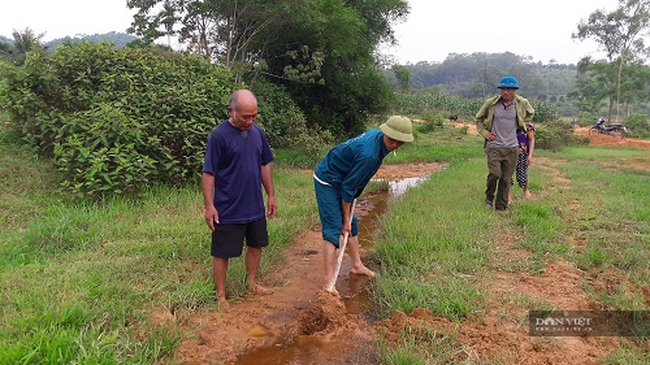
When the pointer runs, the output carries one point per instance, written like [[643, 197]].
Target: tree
[[403, 76], [321, 51], [6, 49], [597, 80], [230, 32], [23, 42], [594, 82], [620, 34]]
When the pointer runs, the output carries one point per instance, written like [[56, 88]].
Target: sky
[[540, 29]]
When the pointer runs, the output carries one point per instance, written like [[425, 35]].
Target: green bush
[[586, 119], [284, 123], [638, 126], [553, 135], [544, 112], [431, 121], [115, 160], [117, 120]]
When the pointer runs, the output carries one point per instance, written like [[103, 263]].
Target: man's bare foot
[[222, 304], [364, 271], [260, 290], [332, 290], [528, 195]]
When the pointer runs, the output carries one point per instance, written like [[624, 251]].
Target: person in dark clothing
[[498, 121], [237, 164], [341, 177]]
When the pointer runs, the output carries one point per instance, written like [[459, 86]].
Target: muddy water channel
[[309, 349]]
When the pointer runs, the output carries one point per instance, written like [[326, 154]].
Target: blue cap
[[508, 82]]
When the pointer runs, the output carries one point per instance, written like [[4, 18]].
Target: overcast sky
[[537, 28]]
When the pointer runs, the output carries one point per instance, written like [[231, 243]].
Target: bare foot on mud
[[260, 290], [528, 195], [332, 291], [222, 304], [364, 271]]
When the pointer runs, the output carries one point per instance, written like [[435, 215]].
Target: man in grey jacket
[[498, 121]]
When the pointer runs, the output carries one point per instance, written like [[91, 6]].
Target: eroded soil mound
[[608, 140]]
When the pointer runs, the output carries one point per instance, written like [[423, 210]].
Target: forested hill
[[476, 75], [119, 39]]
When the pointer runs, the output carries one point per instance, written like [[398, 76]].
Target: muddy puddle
[[308, 349]]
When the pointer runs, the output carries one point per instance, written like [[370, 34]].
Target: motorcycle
[[614, 129]]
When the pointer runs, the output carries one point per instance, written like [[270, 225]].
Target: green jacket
[[485, 115]]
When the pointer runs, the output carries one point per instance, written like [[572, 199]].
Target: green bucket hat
[[398, 128]]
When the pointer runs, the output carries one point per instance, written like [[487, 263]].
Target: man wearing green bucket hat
[[341, 177], [498, 121]]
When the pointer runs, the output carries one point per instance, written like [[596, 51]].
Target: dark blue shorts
[[228, 239], [331, 215]]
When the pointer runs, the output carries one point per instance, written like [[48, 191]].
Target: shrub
[[544, 112], [117, 120], [283, 122], [114, 160], [431, 122], [553, 135], [638, 126], [586, 119]]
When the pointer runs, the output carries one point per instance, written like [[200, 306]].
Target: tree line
[[475, 76], [314, 64]]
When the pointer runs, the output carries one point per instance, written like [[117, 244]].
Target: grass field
[[80, 281]]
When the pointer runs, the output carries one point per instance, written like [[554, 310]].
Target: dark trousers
[[501, 165]]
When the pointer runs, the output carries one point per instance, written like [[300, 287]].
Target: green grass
[[612, 217], [421, 345], [425, 244], [80, 280], [77, 277], [440, 231]]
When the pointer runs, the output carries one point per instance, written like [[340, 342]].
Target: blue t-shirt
[[349, 166], [235, 159]]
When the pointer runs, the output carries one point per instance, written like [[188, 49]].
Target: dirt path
[[513, 293], [294, 309], [297, 311], [298, 315]]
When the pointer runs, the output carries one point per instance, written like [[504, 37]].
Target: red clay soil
[[299, 311], [607, 140], [296, 308]]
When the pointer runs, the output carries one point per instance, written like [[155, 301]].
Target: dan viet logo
[[565, 324], [589, 323]]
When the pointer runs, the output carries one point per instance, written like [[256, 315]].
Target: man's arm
[[529, 112], [211, 214], [267, 182], [347, 217], [480, 118]]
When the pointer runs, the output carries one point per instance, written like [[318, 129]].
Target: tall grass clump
[[429, 238], [419, 345]]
